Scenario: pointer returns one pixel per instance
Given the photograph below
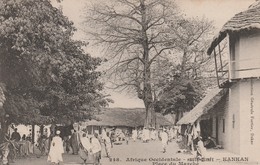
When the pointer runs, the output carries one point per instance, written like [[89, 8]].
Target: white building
[[234, 119]]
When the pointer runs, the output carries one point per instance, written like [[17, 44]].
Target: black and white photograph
[[129, 82]]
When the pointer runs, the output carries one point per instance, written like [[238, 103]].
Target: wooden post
[[33, 133], [216, 66], [220, 59]]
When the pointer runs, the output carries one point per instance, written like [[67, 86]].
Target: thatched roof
[[246, 20], [125, 117], [208, 102]]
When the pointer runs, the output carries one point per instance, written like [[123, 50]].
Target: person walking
[[96, 148], [107, 142], [134, 135], [84, 148], [56, 149], [164, 137], [74, 142]]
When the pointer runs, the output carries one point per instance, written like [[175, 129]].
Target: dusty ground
[[138, 153]]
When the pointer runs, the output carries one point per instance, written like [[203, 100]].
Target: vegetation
[[47, 76], [144, 41]]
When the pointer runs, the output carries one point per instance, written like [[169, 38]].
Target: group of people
[[151, 134], [14, 145], [88, 148], [194, 141], [24, 145]]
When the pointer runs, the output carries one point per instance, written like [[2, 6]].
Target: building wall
[[245, 59], [221, 133], [230, 137], [222, 122], [241, 115], [245, 94], [250, 117]]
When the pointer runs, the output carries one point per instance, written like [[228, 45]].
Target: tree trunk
[[150, 117], [147, 88]]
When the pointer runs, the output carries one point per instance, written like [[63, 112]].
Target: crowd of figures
[[196, 141], [56, 140], [53, 142], [14, 145]]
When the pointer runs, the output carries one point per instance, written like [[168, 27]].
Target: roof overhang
[[216, 41], [207, 103], [243, 21]]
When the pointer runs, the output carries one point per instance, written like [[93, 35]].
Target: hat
[[57, 132]]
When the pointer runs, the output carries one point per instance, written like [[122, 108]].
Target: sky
[[220, 11]]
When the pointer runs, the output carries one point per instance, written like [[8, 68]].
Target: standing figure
[[56, 149], [74, 142], [146, 135], [107, 142], [164, 137], [127, 134], [84, 147], [24, 149], [134, 134], [200, 148], [152, 134], [103, 133], [96, 148], [16, 136], [171, 134]]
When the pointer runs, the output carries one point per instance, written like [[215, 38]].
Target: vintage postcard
[[129, 82]]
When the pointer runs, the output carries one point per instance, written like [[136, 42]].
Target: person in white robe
[[96, 148], [201, 150], [84, 147], [153, 134], [164, 137], [56, 149], [134, 135], [103, 133], [146, 135], [108, 144], [85, 142]]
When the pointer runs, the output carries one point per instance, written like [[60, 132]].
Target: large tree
[[137, 34], [47, 75], [184, 79]]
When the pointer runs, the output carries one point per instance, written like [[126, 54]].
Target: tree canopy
[[48, 76]]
